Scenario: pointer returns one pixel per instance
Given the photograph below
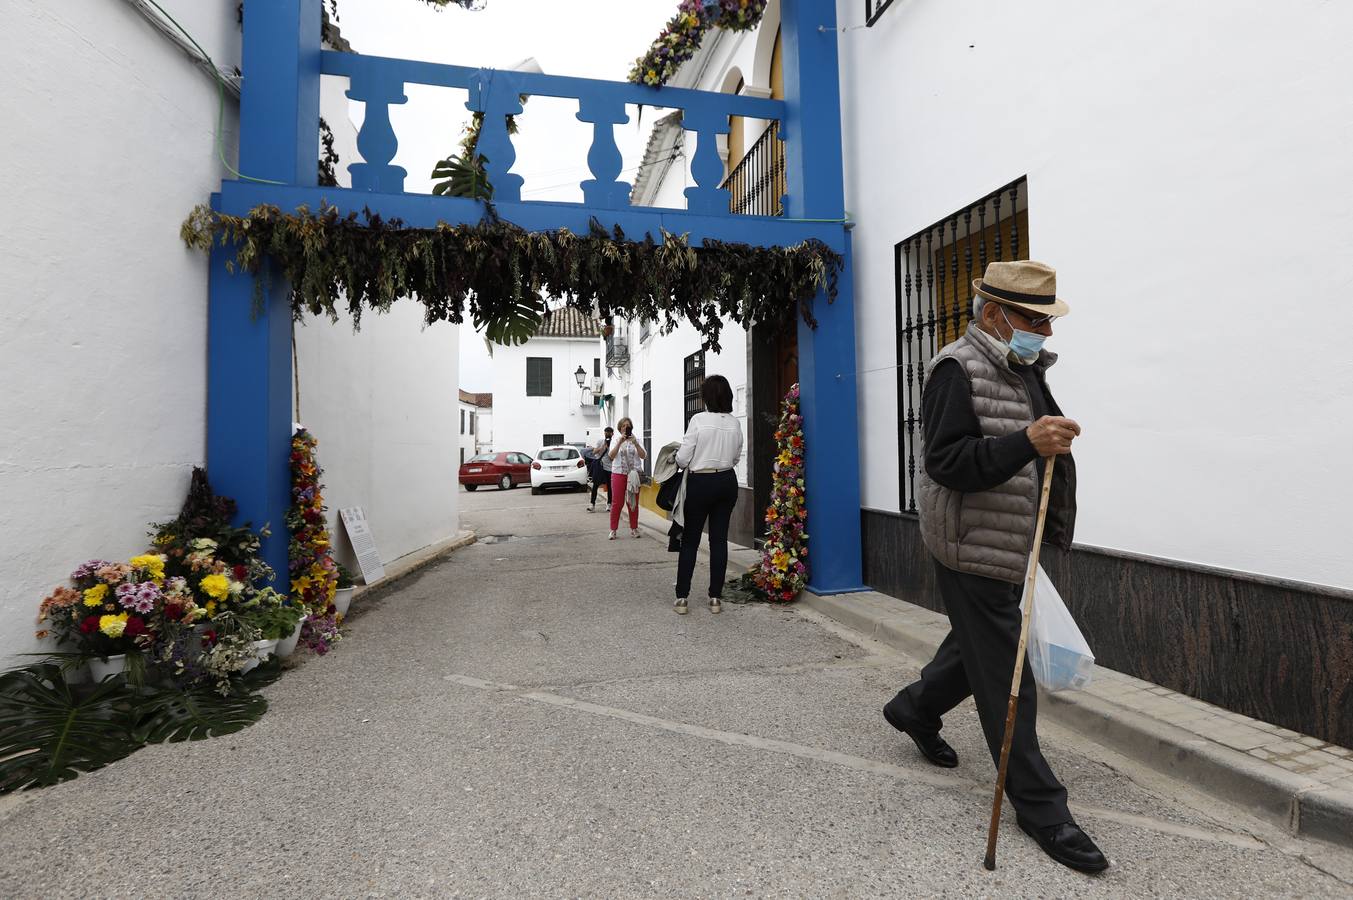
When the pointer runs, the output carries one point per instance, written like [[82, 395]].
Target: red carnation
[[135, 626], [208, 638], [241, 572], [89, 625]]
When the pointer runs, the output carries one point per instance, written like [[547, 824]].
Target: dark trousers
[[978, 658], [600, 478], [710, 498]]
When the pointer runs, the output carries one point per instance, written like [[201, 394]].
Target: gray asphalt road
[[528, 718]]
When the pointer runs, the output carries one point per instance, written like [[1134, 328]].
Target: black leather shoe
[[932, 746], [1070, 846]]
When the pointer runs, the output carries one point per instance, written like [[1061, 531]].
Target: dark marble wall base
[[1275, 650], [742, 527]]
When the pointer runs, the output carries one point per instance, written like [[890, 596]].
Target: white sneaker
[[634, 532], [612, 537]]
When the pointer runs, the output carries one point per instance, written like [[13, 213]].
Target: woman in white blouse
[[710, 450], [627, 467]]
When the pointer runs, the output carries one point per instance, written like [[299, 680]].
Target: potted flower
[[344, 592], [286, 644], [267, 613], [278, 621], [109, 612]]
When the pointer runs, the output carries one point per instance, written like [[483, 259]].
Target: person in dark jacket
[[989, 419], [599, 468]]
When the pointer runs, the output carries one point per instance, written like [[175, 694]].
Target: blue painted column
[[249, 356], [815, 182]]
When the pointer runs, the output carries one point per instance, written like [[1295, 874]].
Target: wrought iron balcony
[[617, 351], [756, 186]]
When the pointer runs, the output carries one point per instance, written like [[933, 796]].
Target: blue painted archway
[[249, 383]]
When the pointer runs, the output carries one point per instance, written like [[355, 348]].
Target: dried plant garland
[[501, 274]]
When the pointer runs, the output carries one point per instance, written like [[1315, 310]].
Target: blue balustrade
[[379, 82]]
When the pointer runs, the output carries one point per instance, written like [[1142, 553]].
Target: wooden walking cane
[[1030, 578]]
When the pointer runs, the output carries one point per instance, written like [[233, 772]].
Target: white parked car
[[558, 466]]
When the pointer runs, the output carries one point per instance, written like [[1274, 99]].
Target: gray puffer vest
[[990, 533]]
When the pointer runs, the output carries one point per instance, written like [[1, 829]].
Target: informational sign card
[[363, 544]]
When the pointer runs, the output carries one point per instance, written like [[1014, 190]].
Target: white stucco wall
[[103, 351], [519, 421], [387, 424], [1187, 172]]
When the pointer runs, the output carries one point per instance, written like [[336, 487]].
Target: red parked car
[[507, 470]]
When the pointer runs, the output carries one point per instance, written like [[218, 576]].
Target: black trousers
[[710, 498], [978, 658], [600, 478]]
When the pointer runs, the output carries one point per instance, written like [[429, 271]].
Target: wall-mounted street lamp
[[581, 377]]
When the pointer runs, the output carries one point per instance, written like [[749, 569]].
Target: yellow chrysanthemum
[[211, 607], [113, 626], [94, 596], [150, 563], [217, 586]]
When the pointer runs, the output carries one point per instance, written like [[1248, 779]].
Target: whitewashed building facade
[[537, 397]]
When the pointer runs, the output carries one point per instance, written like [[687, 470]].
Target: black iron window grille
[[693, 379], [933, 273], [757, 183], [875, 8], [539, 376], [551, 440]]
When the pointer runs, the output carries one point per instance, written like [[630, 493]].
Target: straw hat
[[1024, 284]]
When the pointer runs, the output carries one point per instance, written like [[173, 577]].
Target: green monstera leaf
[[511, 321], [461, 178], [51, 732], [195, 714]]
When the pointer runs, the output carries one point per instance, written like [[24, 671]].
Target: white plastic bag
[[1058, 654]]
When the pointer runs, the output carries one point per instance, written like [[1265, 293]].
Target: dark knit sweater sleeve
[[957, 456]]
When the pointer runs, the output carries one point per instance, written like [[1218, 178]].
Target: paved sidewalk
[[1293, 780]]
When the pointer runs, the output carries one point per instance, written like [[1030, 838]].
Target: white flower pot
[[342, 600], [75, 675], [99, 669], [261, 651], [287, 645]]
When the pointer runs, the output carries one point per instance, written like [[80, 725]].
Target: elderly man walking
[[988, 417]]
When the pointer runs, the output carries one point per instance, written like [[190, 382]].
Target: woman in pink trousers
[[627, 465]]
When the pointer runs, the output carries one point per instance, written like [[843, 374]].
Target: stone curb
[[1293, 802]]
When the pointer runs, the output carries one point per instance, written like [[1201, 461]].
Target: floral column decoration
[[784, 569], [683, 33], [314, 574]]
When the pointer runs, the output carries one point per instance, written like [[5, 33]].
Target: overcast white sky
[[588, 38]]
